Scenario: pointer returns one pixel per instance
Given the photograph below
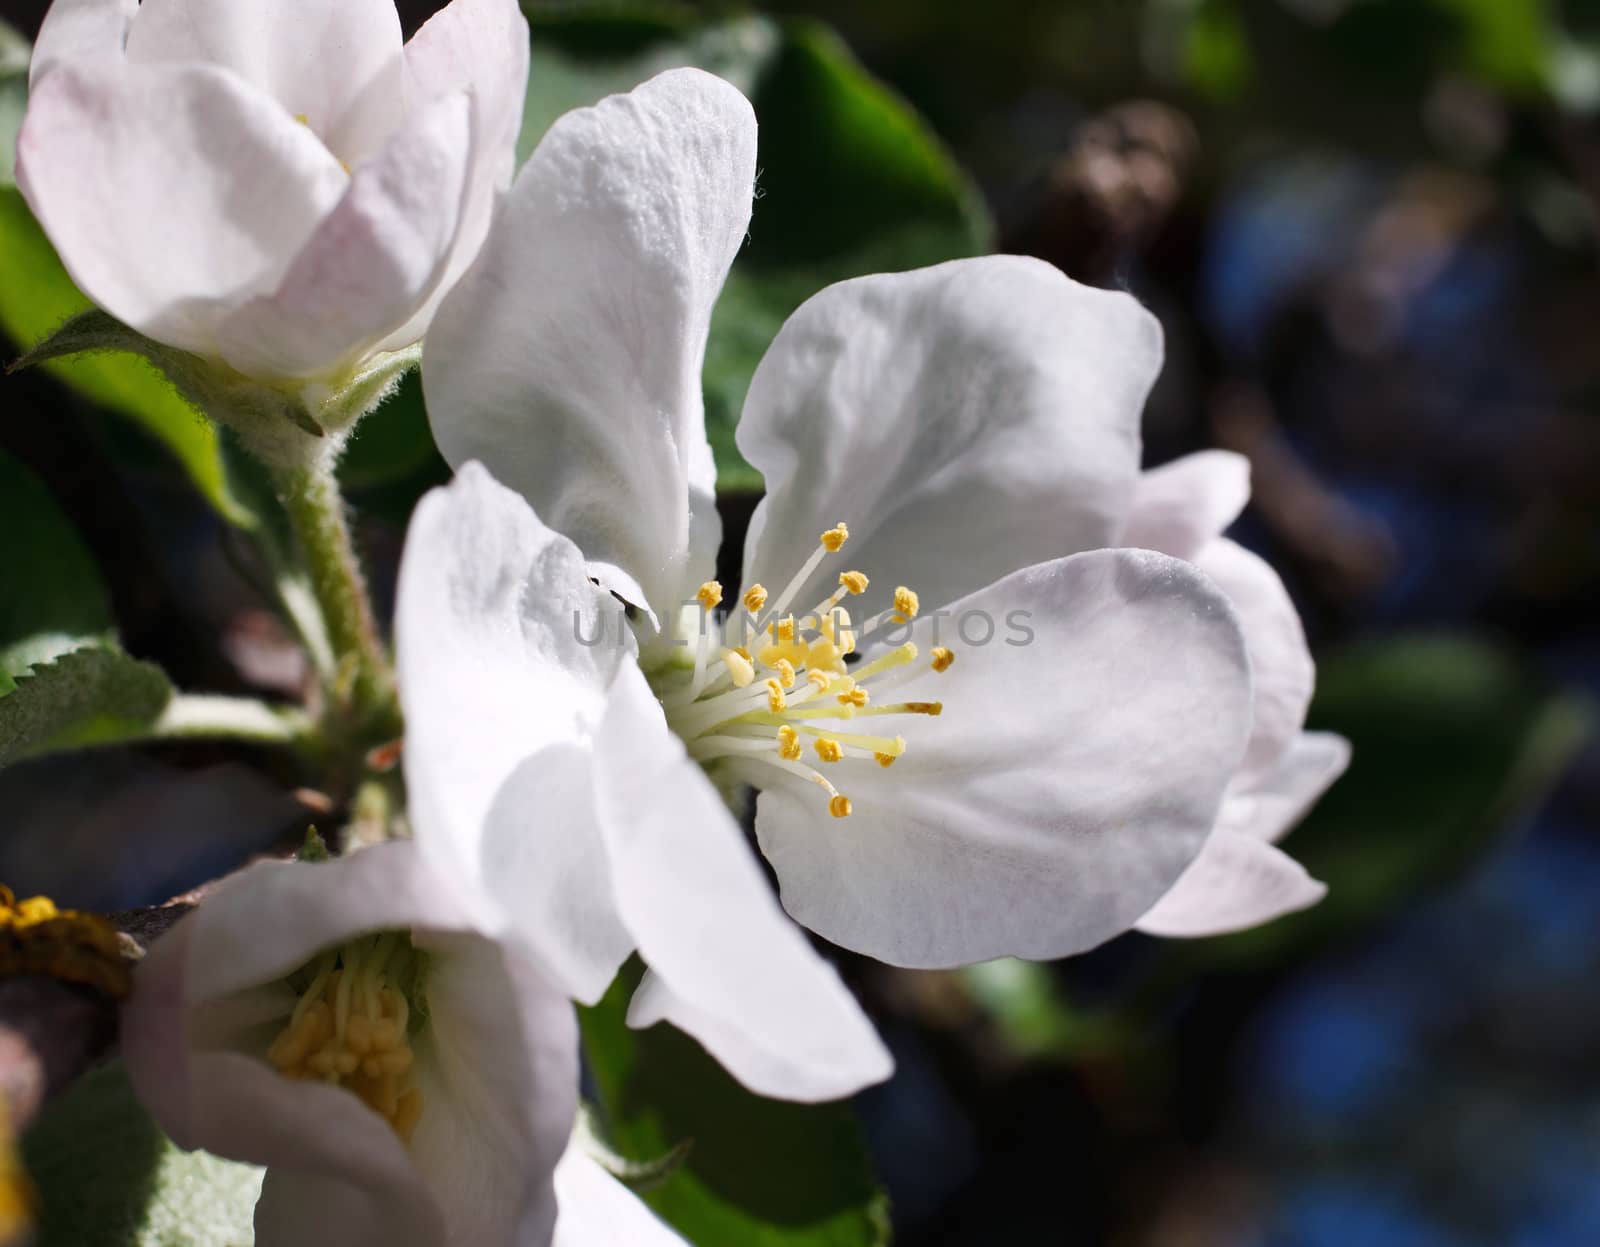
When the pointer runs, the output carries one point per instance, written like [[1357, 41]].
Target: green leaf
[[37, 297], [14, 54], [1452, 741], [851, 180], [759, 1173], [52, 600], [93, 696], [107, 1177]]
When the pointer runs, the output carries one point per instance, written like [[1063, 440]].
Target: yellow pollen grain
[[835, 537], [785, 670], [906, 602], [829, 750], [739, 667], [775, 698], [854, 582], [942, 658], [853, 697], [789, 743], [755, 597], [839, 806], [709, 594]]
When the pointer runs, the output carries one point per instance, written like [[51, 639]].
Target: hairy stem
[[362, 690]]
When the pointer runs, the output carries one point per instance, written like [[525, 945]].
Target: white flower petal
[[196, 1028], [1280, 661], [568, 358], [374, 260], [73, 30], [727, 966], [481, 47], [336, 63], [172, 193], [1068, 783], [491, 619], [976, 411], [1179, 507], [1236, 883], [1270, 805], [298, 1207], [545, 864], [598, 1211], [500, 1092]]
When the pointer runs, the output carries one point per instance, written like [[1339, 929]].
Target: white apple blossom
[[1240, 878], [968, 424], [407, 1081], [279, 184]]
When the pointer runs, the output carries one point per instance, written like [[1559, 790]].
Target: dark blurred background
[[1370, 228]]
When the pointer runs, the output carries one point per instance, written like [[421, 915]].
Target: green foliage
[[1453, 741], [51, 597], [14, 53], [94, 696], [759, 1173], [107, 1177], [851, 181], [37, 297], [63, 681]]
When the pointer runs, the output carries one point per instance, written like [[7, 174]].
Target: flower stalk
[[361, 698]]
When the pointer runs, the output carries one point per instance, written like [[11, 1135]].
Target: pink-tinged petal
[[1270, 805], [598, 1211], [496, 1060], [727, 965], [171, 193], [1178, 508], [1280, 661], [1074, 773], [568, 358], [965, 421], [1236, 883], [372, 263], [480, 47], [334, 63], [75, 30], [503, 648]]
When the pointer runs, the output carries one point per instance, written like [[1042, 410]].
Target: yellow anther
[[855, 582], [819, 680], [835, 537], [349, 1028], [886, 760], [775, 698], [829, 750], [789, 743], [906, 604], [853, 697], [824, 655], [934, 708], [839, 806], [709, 594], [755, 597], [785, 670], [739, 667], [942, 658], [782, 630]]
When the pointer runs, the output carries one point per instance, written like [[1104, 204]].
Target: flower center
[[350, 1026], [771, 689]]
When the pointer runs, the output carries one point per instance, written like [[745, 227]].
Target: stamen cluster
[[349, 1028], [765, 683]]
